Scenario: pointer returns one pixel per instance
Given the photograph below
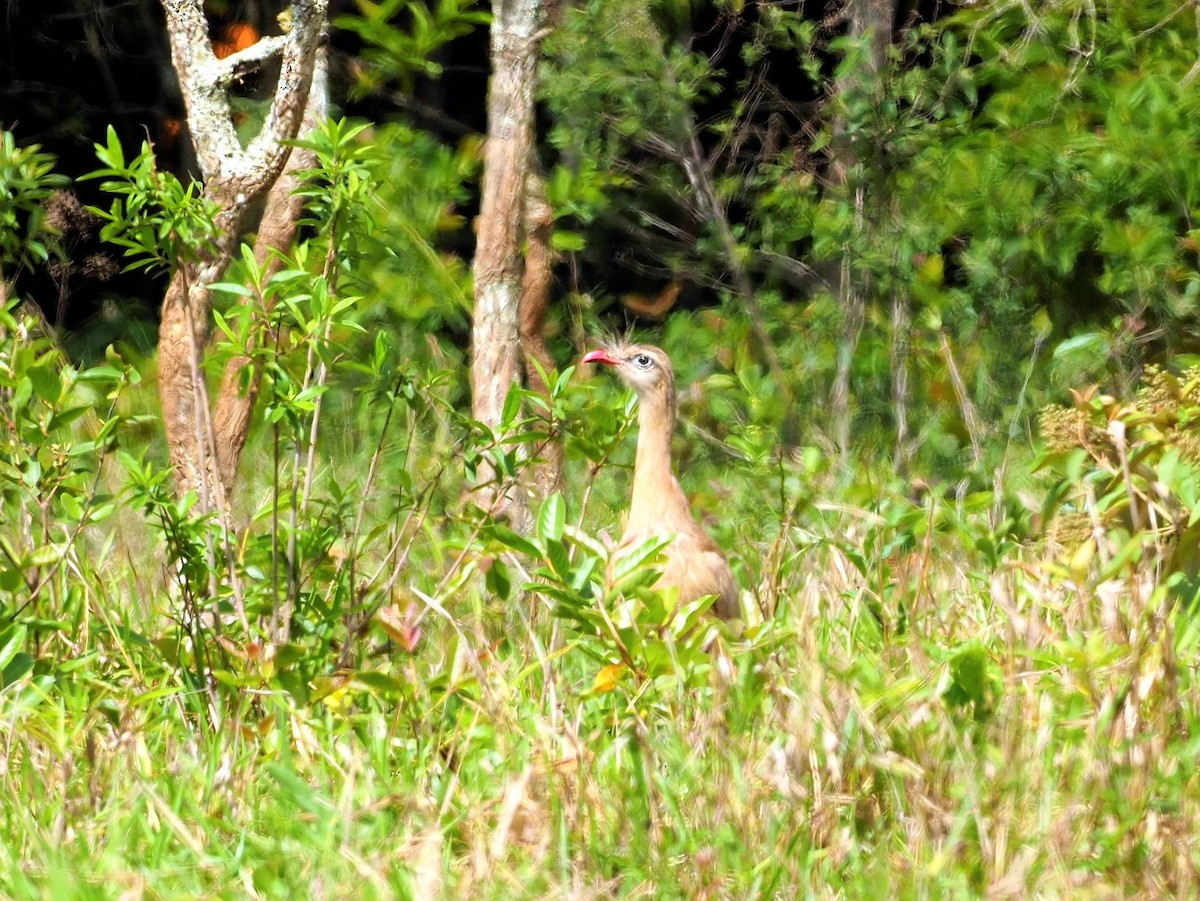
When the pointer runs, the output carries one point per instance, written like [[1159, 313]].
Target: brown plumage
[[658, 507]]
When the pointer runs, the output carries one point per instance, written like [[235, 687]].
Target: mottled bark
[[496, 336], [869, 20], [182, 335], [535, 304], [234, 178]]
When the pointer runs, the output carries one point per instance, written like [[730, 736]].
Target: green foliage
[[27, 179], [417, 285], [1000, 173], [620, 98], [1069, 176], [1129, 489], [628, 629], [59, 424], [398, 55], [618, 85], [367, 682], [155, 218]]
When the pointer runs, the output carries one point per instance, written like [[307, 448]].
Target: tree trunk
[[276, 233], [508, 154], [535, 304], [234, 178], [869, 20], [182, 335]]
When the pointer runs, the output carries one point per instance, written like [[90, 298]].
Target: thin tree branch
[[971, 419]]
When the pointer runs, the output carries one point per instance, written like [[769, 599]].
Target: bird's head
[[644, 368]]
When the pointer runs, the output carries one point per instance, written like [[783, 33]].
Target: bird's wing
[[694, 565], [697, 568]]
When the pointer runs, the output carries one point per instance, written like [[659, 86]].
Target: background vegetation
[[968, 662]]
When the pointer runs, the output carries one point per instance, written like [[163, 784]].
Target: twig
[[696, 171], [970, 417]]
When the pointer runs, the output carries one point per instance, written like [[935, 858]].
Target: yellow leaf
[[607, 678], [1082, 557], [932, 269], [1042, 326], [391, 620], [333, 691]]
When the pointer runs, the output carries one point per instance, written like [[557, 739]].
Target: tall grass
[[930, 708]]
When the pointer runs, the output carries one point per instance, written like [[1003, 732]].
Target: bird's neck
[[658, 502]]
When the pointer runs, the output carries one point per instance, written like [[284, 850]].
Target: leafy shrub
[[27, 180], [57, 426], [1129, 489]]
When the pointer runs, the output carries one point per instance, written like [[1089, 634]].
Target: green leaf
[[498, 580], [236, 288], [12, 642], [45, 555], [640, 555], [510, 539], [552, 518], [512, 406], [1092, 342], [111, 153], [567, 241], [968, 674], [560, 562], [11, 578], [66, 417], [376, 683], [19, 666]]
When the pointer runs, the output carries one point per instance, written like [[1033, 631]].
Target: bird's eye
[[642, 360]]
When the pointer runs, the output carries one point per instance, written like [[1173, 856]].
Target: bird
[[658, 507]]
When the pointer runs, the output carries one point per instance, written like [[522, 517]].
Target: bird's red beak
[[598, 356]]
